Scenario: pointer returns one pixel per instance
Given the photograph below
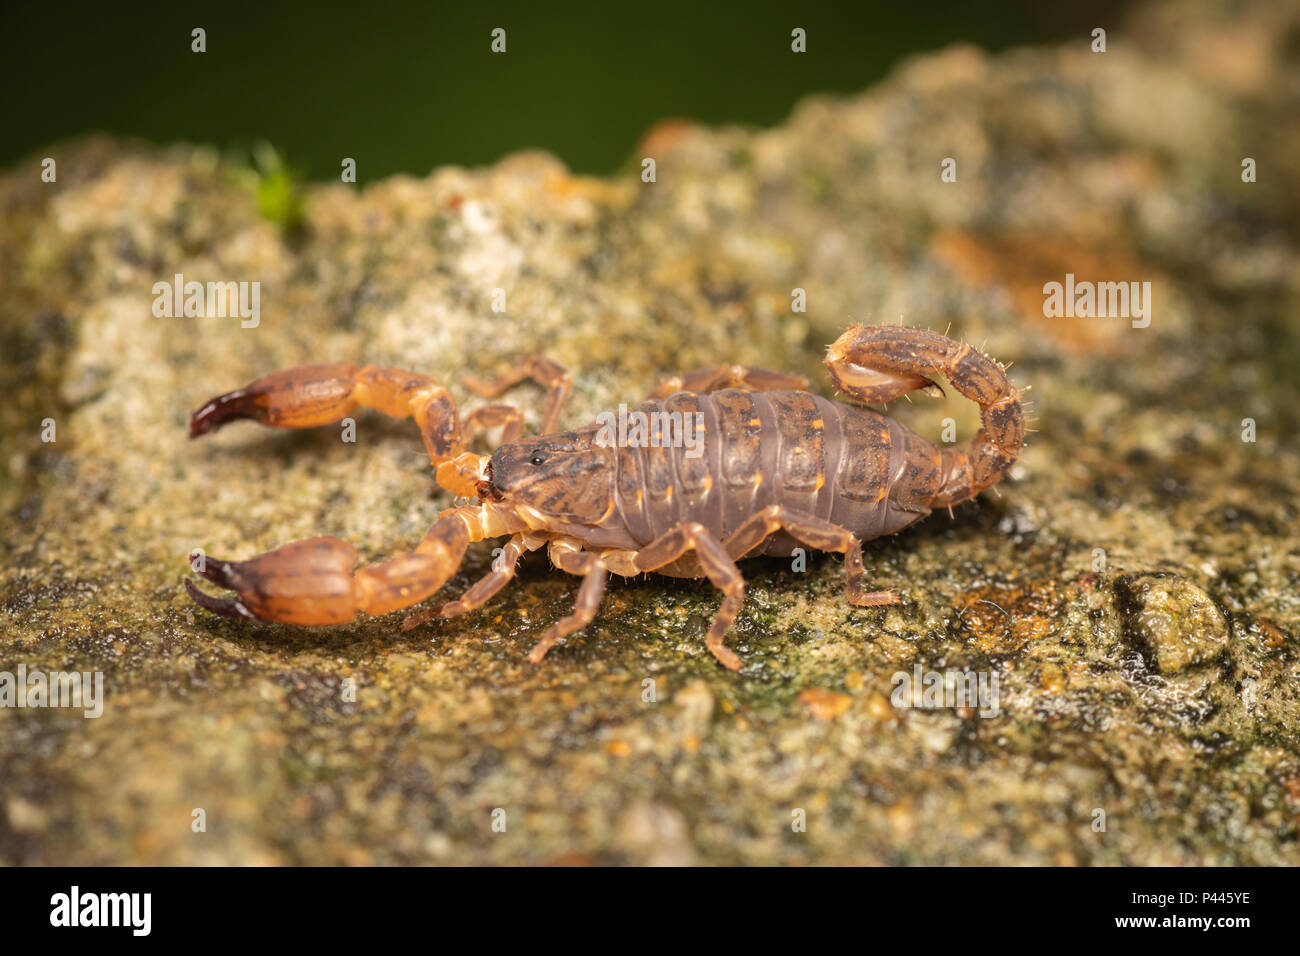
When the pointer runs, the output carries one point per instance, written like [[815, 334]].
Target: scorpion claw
[[304, 582], [295, 398], [220, 573], [222, 409], [226, 607]]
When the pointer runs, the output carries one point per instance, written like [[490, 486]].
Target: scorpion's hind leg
[[879, 363], [717, 377], [816, 533], [311, 582]]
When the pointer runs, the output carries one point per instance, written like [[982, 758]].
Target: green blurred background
[[405, 87]]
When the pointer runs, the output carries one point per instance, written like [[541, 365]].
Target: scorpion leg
[[878, 363], [311, 582], [717, 566], [494, 416], [486, 588], [568, 558], [719, 377], [816, 533], [541, 370]]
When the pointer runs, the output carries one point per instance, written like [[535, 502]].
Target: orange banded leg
[[592, 569], [717, 567], [718, 377], [506, 417], [311, 582], [541, 370], [483, 590], [816, 533]]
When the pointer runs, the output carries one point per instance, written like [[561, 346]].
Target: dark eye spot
[[537, 459]]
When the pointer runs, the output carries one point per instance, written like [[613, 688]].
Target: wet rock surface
[[1132, 590]]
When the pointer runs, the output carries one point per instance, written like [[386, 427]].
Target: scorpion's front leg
[[487, 587], [544, 372], [594, 568], [569, 556], [311, 582]]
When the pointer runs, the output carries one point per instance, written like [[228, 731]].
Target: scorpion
[[776, 466]]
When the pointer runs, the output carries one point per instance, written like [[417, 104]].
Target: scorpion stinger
[[879, 363]]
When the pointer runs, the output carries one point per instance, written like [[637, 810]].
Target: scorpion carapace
[[720, 464]]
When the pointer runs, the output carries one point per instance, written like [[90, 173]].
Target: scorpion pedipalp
[[312, 582]]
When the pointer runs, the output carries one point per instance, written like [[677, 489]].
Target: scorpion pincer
[[775, 467]]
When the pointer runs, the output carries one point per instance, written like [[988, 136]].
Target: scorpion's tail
[[879, 363]]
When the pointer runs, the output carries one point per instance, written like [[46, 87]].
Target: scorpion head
[[565, 475]]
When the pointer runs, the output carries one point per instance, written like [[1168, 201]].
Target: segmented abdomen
[[854, 467]]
